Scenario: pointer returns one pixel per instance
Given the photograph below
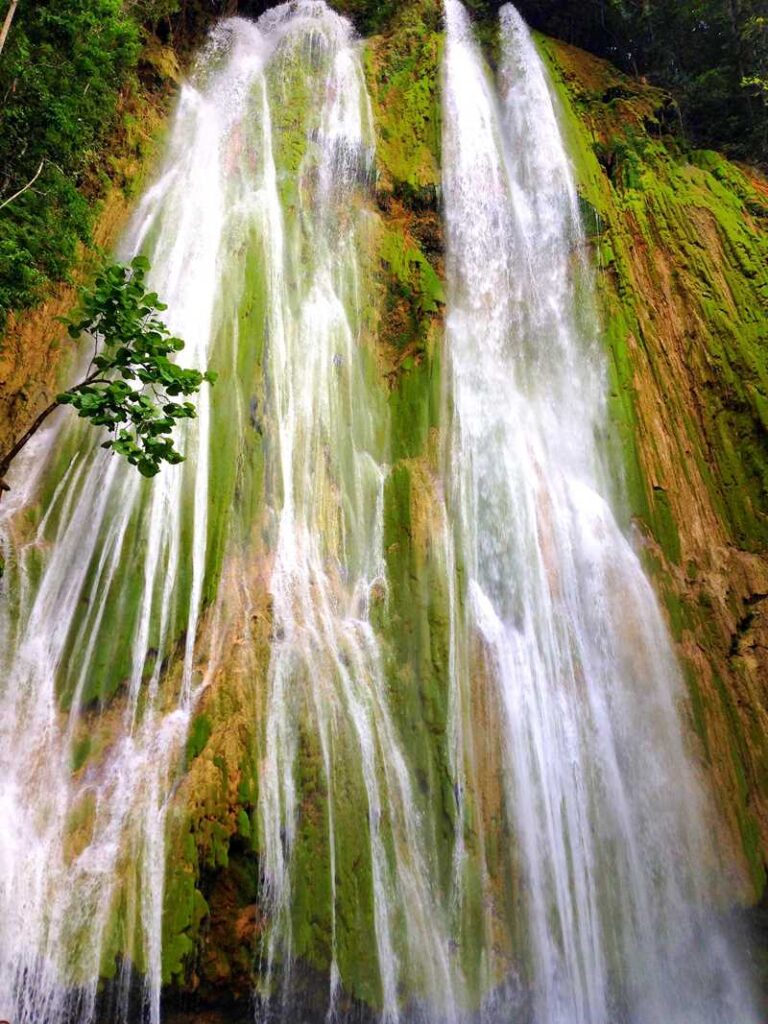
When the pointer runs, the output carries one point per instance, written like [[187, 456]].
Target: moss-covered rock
[[680, 244], [681, 273], [682, 253]]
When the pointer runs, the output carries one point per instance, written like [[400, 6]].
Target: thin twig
[[21, 190], [3, 35]]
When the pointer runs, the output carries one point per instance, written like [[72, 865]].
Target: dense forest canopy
[[712, 54], [66, 61]]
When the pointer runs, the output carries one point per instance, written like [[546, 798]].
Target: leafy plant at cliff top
[[61, 72], [131, 385]]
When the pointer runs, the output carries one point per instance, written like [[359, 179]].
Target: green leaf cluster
[[133, 387]]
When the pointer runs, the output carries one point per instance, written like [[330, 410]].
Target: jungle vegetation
[[131, 385], [65, 64]]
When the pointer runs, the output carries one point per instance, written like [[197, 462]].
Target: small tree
[[131, 385]]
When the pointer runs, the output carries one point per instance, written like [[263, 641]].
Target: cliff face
[[32, 349], [681, 253], [680, 249], [682, 257]]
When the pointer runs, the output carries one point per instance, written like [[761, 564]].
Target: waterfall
[[256, 227], [327, 695], [255, 574], [609, 852], [104, 589]]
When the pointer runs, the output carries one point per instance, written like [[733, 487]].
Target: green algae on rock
[[680, 246], [682, 255]]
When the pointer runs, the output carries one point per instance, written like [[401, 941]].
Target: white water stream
[[599, 792], [101, 589], [326, 681], [594, 868]]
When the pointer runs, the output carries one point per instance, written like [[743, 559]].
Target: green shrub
[[61, 72]]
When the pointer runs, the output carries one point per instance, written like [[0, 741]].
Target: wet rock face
[[680, 248], [679, 251]]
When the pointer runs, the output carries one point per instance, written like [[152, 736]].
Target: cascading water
[[326, 687], [609, 855], [580, 864], [103, 589], [256, 228]]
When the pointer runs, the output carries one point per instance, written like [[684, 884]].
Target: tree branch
[[22, 190], [7, 459], [4, 34]]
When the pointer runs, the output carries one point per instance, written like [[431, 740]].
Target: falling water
[[104, 591], [581, 867], [256, 227], [608, 852], [327, 429]]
